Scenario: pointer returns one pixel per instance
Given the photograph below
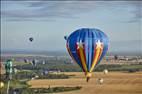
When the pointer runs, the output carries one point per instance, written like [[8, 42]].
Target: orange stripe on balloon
[[73, 57], [96, 58], [100, 55], [78, 52], [82, 58]]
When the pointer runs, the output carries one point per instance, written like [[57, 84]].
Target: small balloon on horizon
[[31, 39]]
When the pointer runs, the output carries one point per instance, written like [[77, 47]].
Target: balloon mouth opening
[[88, 76]]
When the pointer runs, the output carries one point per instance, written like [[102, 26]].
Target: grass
[[24, 88], [132, 66], [19, 63], [54, 89], [114, 67], [13, 84]]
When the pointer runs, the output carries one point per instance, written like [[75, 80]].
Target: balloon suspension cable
[[8, 87]]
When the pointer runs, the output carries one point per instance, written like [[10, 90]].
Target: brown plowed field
[[114, 83]]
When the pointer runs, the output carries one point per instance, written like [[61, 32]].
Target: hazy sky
[[48, 21]]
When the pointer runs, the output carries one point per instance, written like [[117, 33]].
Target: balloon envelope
[[1, 84], [100, 80], [31, 39], [87, 47], [105, 71], [65, 37], [34, 62]]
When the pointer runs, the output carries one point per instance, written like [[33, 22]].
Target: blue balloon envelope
[[87, 47]]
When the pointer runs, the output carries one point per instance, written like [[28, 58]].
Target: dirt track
[[114, 83]]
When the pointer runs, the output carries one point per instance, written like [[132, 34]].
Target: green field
[[68, 67]]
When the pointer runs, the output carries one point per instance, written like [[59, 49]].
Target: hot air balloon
[[65, 37], [105, 71], [100, 81], [15, 70], [115, 57], [87, 46], [31, 39], [34, 62], [1, 84], [25, 60]]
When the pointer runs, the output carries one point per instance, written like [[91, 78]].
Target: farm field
[[114, 83]]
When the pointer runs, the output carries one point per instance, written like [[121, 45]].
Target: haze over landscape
[[47, 22]]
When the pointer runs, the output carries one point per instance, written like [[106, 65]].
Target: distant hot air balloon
[[31, 39], [100, 81], [43, 62], [1, 84], [105, 71], [25, 60], [87, 47], [65, 37], [115, 57], [34, 62], [15, 70]]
